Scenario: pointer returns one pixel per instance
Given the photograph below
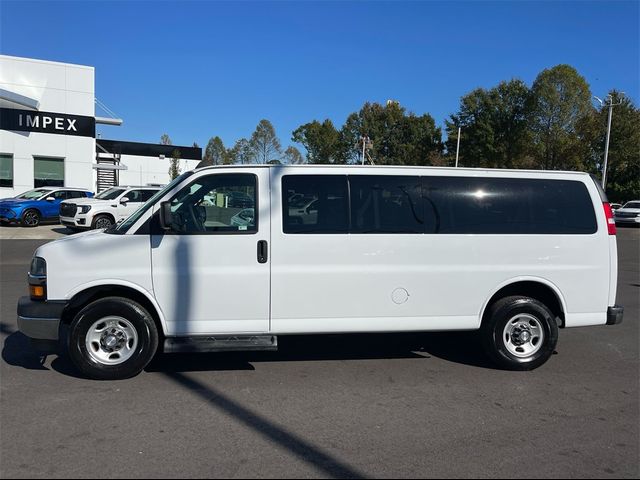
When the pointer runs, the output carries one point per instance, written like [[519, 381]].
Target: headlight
[[38, 279], [38, 267], [85, 208]]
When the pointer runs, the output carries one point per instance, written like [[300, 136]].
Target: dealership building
[[48, 134]]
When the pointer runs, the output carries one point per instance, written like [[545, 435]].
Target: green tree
[[398, 138], [165, 140], [174, 164], [494, 127], [241, 153], [623, 170], [559, 110], [214, 153], [264, 142], [292, 156], [324, 144]]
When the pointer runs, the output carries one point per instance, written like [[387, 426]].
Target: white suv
[[105, 209]]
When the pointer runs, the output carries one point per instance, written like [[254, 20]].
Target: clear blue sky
[[199, 69]]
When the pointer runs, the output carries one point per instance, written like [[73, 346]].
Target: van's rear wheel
[[519, 333], [112, 338]]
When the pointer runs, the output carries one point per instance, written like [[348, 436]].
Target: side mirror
[[165, 215], [124, 200], [50, 199]]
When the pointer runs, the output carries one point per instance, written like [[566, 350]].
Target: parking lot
[[401, 405]]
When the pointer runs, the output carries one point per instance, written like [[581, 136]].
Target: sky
[[199, 69]]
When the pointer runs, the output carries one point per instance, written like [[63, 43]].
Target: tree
[[623, 171], [264, 142], [398, 138], [324, 144], [560, 106], [174, 164], [214, 153], [494, 127], [241, 152], [292, 156], [165, 140]]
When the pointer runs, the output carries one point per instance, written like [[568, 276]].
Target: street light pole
[[610, 104], [458, 147]]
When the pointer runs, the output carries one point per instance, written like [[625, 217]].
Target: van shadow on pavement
[[457, 347]]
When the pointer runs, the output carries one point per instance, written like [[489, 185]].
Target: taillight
[[611, 222]]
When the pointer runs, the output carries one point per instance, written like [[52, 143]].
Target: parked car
[[239, 200], [629, 213], [105, 209], [615, 206], [31, 208], [244, 218]]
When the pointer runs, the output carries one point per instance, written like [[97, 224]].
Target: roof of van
[[406, 167]]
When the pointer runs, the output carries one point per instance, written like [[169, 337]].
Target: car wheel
[[101, 221], [112, 339], [31, 218], [519, 333]]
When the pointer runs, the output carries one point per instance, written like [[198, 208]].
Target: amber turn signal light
[[36, 292]]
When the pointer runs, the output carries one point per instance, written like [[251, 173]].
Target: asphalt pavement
[[401, 405]]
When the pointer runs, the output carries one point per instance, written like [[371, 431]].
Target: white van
[[513, 254]]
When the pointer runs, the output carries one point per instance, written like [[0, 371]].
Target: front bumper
[[8, 215], [614, 315], [75, 222], [40, 320]]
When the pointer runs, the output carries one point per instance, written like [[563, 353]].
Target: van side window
[[219, 203], [386, 204], [507, 206], [315, 204]]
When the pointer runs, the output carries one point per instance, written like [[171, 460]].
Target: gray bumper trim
[[39, 320], [614, 315], [39, 328]]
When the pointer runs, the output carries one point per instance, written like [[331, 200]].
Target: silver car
[[629, 213]]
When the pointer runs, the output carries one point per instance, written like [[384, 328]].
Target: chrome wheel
[[103, 222], [111, 340], [523, 335], [31, 218]]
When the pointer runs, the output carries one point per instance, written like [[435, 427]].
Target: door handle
[[263, 251]]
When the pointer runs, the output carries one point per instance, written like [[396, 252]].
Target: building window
[[6, 170], [48, 172]]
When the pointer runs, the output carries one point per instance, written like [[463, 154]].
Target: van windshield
[[122, 228]]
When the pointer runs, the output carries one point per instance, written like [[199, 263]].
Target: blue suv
[[37, 205]]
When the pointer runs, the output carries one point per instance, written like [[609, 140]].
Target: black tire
[[505, 326], [92, 360], [102, 221], [30, 218]]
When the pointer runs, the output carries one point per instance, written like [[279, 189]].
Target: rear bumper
[[39, 320], [614, 315]]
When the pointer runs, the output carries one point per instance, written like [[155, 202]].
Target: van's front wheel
[[519, 333], [112, 338]]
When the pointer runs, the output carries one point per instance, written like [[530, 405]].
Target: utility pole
[[608, 102], [366, 145], [458, 147]]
